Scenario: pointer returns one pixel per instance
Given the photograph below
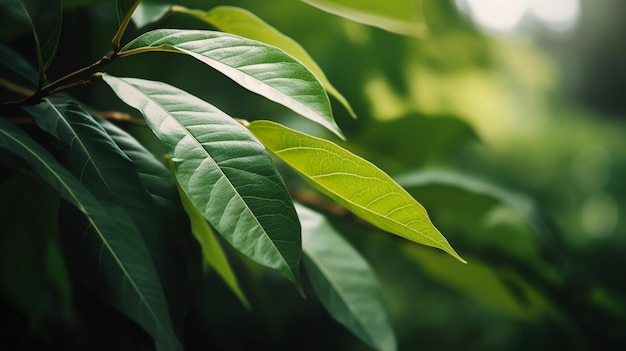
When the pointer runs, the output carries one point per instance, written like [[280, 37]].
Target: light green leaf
[[258, 67], [242, 22], [124, 266], [212, 252], [225, 172], [352, 182], [344, 281], [45, 19], [150, 12], [397, 16]]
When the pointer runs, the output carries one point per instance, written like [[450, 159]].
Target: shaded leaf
[[488, 220], [123, 6], [501, 289], [33, 274], [225, 172], [344, 281], [45, 19], [352, 182], [398, 16], [123, 260], [164, 225], [241, 22], [18, 79], [258, 67], [212, 253]]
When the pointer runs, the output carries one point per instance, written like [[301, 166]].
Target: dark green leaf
[[119, 260], [113, 179], [163, 224], [45, 19], [33, 274], [258, 67], [123, 6], [212, 253], [225, 172], [17, 77], [344, 281], [352, 182]]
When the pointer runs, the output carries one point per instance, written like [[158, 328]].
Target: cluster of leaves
[[131, 229]]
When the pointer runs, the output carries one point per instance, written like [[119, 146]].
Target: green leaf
[[398, 16], [164, 225], [258, 67], [225, 172], [150, 12], [212, 251], [123, 6], [499, 288], [242, 22], [124, 266], [344, 281], [45, 19], [13, 64], [33, 275], [352, 182]]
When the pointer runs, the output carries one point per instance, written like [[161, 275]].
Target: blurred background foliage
[[511, 137]]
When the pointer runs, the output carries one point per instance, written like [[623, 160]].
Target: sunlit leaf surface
[[258, 67], [353, 182], [225, 172], [242, 22]]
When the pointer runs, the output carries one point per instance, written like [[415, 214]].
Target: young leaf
[[344, 281], [258, 67], [120, 261], [398, 16], [225, 172], [353, 182], [45, 19], [212, 252], [242, 22]]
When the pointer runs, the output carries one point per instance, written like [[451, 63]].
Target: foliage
[[150, 201]]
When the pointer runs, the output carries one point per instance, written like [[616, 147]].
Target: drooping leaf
[[166, 229], [212, 253], [45, 19], [344, 281], [258, 67], [122, 262], [112, 178], [352, 182], [242, 22], [398, 16], [225, 172]]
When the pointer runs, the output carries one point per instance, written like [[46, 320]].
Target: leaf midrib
[[200, 146]]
